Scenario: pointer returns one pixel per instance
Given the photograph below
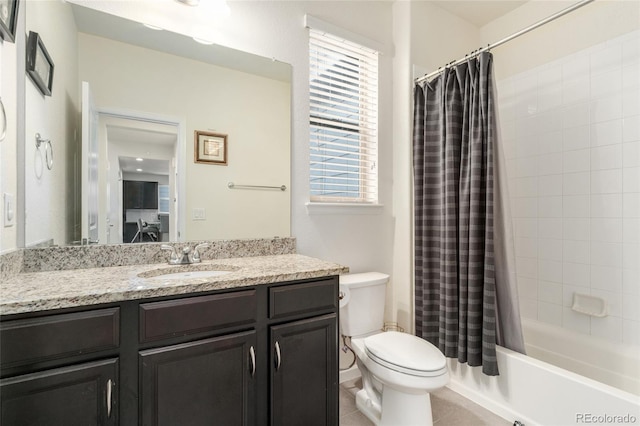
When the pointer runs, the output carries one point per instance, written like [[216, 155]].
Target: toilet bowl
[[398, 370], [398, 373]]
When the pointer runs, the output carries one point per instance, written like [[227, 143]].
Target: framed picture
[[39, 64], [8, 19], [210, 148]]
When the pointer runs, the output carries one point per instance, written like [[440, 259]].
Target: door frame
[[180, 156]]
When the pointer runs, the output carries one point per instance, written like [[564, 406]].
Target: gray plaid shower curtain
[[454, 137]]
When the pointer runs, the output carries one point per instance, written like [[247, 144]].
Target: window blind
[[343, 119]]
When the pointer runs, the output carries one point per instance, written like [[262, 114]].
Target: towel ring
[[3, 121], [37, 163], [48, 149], [48, 153]]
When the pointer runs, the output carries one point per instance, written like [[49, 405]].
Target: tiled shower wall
[[571, 133]]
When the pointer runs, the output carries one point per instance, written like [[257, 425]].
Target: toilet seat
[[406, 354]]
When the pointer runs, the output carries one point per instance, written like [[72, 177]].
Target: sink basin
[[185, 272], [191, 274]]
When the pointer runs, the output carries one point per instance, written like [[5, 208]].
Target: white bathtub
[[538, 393], [610, 363]]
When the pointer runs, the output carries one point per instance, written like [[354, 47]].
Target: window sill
[[314, 208]]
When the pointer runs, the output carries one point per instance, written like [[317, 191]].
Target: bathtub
[[539, 393], [610, 363]]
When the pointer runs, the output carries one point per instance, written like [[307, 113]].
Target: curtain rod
[[506, 39]]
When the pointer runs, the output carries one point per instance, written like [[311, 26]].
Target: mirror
[[125, 105]]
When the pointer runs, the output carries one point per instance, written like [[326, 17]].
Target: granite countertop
[[39, 291]]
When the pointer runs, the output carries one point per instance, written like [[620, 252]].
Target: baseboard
[[349, 374]]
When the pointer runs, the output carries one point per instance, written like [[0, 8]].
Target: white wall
[[50, 201], [592, 24], [575, 186], [438, 37], [419, 28], [8, 147], [571, 129]]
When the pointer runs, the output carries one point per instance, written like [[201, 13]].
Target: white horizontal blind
[[343, 119]]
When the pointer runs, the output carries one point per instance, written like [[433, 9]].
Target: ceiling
[[479, 12], [113, 27], [146, 166], [142, 139]]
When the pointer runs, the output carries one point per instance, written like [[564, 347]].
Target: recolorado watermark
[[616, 419]]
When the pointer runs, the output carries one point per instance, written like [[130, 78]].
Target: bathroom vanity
[[123, 345]]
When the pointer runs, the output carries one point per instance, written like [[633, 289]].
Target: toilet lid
[[405, 353]]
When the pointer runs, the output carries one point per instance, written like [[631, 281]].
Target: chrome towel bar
[[232, 185]]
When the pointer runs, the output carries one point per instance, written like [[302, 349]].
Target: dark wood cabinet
[[59, 336], [257, 355], [140, 195], [304, 373], [198, 382], [82, 395]]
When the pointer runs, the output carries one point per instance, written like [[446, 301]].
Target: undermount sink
[[191, 274], [184, 272]]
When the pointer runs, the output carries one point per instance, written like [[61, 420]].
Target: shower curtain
[[465, 289]]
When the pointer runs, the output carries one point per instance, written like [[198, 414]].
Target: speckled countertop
[[38, 291]]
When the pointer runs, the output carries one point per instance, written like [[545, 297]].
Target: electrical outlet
[[199, 214], [9, 209]]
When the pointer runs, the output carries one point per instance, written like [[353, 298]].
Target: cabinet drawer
[[79, 394], [58, 336], [162, 320], [303, 298]]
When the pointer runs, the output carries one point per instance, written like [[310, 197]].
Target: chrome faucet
[[195, 258], [183, 258]]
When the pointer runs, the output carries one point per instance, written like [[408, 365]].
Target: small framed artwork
[[39, 64], [8, 19], [210, 148]]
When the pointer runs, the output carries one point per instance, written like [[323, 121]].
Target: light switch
[[9, 209], [199, 214]]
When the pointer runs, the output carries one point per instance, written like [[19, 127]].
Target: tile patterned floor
[[448, 407]]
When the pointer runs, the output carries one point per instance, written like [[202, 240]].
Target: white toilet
[[398, 370]]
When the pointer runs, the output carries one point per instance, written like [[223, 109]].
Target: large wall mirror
[[126, 104]]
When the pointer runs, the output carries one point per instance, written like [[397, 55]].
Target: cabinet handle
[[252, 352], [109, 390], [277, 346]]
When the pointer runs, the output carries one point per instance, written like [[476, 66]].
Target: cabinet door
[[150, 196], [133, 194], [304, 375], [206, 382], [81, 395]]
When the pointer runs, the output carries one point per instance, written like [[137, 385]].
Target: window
[[163, 199], [343, 120]]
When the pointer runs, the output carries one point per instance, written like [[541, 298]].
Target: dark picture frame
[[39, 64], [210, 148], [8, 19]]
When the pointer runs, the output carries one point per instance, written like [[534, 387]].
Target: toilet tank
[[363, 312]]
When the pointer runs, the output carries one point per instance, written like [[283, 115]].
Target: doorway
[[141, 180]]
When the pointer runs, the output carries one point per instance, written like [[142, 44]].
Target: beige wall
[[252, 111]]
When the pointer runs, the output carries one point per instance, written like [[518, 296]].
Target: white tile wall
[[571, 131]]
